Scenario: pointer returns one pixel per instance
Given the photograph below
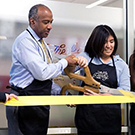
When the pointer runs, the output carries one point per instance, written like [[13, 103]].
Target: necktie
[[46, 51]]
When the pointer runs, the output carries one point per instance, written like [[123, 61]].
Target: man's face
[[43, 24]]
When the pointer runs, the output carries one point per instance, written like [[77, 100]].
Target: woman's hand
[[82, 61], [90, 92], [9, 96], [71, 105]]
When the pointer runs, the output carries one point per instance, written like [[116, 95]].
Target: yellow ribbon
[[63, 100]]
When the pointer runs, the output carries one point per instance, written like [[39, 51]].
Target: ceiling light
[[3, 37], [96, 3]]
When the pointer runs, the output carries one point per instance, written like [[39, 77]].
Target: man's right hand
[[71, 60]]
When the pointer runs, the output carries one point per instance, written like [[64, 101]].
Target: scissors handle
[[88, 79]]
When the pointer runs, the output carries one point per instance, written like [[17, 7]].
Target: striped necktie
[[46, 51]]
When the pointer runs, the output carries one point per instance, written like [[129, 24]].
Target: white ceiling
[[69, 15], [110, 3]]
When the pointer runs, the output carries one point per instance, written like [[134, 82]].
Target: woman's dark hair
[[97, 40], [134, 59]]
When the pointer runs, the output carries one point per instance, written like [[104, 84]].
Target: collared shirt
[[29, 62], [122, 69]]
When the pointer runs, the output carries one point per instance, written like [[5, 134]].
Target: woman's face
[[108, 47]]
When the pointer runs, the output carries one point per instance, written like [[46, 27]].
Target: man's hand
[[80, 60], [71, 61]]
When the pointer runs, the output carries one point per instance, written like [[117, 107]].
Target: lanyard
[[37, 43]]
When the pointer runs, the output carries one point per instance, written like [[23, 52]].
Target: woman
[[5, 97], [132, 79], [110, 70]]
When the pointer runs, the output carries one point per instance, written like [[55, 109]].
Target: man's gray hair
[[33, 11]]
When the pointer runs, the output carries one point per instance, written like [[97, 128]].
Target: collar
[[33, 33]]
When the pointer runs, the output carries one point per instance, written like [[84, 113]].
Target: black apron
[[33, 120], [100, 118]]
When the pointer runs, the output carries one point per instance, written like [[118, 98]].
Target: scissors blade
[[105, 89]]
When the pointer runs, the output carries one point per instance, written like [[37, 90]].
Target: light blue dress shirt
[[122, 70], [28, 62]]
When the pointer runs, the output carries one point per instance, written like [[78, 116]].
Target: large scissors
[[91, 84]]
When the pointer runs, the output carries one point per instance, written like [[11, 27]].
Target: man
[[32, 72]]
